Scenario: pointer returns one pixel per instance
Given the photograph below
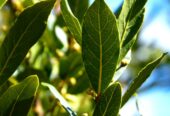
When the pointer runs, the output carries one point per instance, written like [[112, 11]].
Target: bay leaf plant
[[104, 40]]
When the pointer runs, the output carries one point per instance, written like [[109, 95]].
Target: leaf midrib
[[20, 38], [100, 66], [127, 23]]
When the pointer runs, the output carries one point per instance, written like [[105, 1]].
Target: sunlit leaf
[[130, 9], [60, 98], [110, 101], [71, 21], [18, 98], [129, 23], [26, 31], [131, 35], [100, 45], [140, 79]]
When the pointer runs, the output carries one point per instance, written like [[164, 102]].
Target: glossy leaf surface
[[22, 36], [18, 98], [71, 21], [100, 45], [141, 78], [110, 101]]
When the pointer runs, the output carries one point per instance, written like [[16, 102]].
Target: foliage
[[76, 56], [18, 98]]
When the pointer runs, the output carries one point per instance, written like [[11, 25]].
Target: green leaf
[[141, 78], [71, 21], [110, 101], [2, 2], [22, 36], [131, 34], [4, 87], [130, 9], [60, 98], [18, 98], [100, 45], [130, 21], [79, 8]]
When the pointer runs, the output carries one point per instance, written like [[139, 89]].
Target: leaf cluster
[[81, 50]]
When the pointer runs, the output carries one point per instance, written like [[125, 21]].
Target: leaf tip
[[35, 79]]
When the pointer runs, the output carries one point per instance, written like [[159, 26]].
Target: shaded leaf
[[4, 87], [60, 21], [70, 65], [52, 40], [29, 70], [82, 84], [71, 21], [18, 98], [130, 21], [79, 8], [64, 67], [100, 45], [60, 98], [110, 101], [141, 78], [2, 2], [25, 33]]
